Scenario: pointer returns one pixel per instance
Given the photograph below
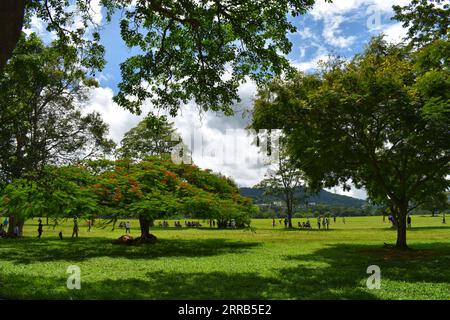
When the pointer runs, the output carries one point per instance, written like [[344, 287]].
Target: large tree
[[154, 135], [285, 180], [380, 120], [157, 188], [41, 96], [189, 50]]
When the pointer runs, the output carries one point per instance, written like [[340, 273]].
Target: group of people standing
[[323, 222]]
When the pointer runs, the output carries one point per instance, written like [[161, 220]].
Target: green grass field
[[271, 263]]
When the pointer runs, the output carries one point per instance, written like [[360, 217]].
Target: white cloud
[[118, 119], [219, 142], [394, 33], [38, 26], [332, 32], [322, 9], [355, 193], [340, 11]]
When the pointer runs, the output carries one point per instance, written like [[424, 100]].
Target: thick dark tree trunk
[[401, 228], [11, 23], [145, 223], [13, 221]]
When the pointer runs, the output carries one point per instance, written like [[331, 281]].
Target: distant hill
[[323, 197]]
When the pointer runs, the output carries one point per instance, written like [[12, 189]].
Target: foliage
[[157, 188], [61, 192], [366, 120], [425, 20], [152, 136], [284, 181], [44, 124], [197, 51]]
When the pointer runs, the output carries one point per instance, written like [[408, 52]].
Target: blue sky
[[342, 28]]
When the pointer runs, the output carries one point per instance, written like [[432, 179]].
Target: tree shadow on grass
[[347, 264], [184, 286], [337, 271], [26, 251]]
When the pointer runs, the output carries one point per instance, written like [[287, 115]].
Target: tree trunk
[[144, 223], [13, 221], [289, 204], [222, 224], [11, 22], [401, 228], [146, 237]]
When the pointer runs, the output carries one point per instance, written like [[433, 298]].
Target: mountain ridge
[[323, 197]]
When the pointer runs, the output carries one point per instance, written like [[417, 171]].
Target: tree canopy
[[285, 181], [41, 95], [154, 135], [191, 50], [380, 120]]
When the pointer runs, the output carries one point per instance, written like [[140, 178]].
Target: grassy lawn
[[271, 263]]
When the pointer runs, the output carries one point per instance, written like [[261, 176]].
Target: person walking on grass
[[443, 218], [408, 220], [273, 223], [40, 226], [127, 227], [318, 222], [75, 228]]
